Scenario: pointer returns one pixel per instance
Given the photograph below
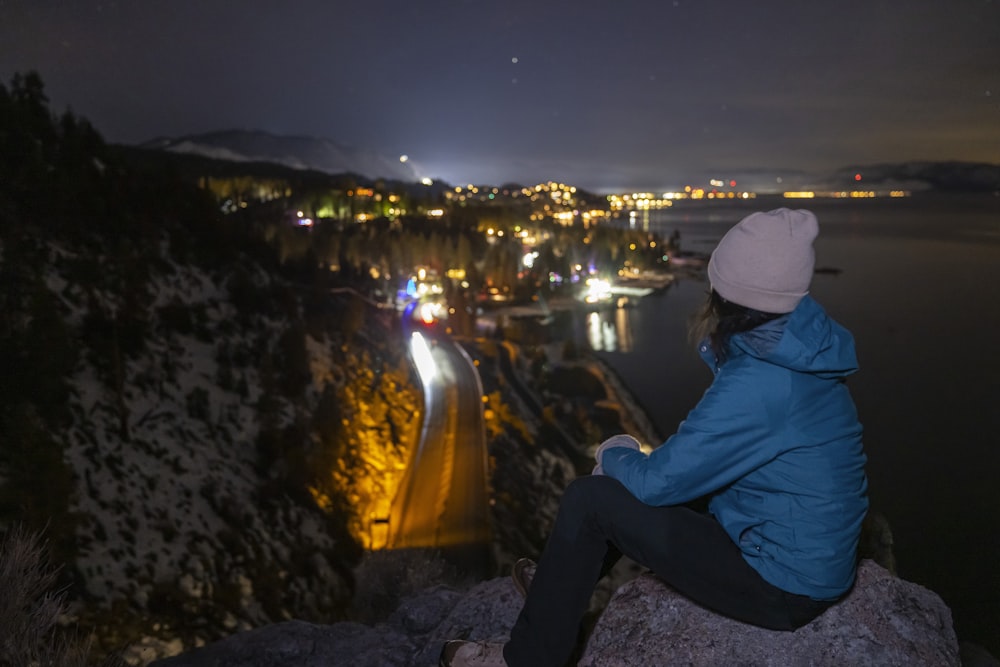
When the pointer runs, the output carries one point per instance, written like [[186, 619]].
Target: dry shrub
[[31, 607]]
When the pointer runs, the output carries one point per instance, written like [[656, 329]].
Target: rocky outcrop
[[413, 634], [884, 621]]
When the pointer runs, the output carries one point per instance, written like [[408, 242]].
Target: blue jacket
[[776, 438]]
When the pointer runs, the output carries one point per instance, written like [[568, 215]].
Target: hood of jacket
[[806, 340]]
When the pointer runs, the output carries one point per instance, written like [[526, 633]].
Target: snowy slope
[[296, 152]]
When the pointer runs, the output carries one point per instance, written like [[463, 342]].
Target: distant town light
[[427, 313], [597, 290], [404, 158]]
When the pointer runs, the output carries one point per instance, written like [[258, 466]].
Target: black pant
[[598, 520]]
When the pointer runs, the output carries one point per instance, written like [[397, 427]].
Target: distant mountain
[[296, 152], [938, 176], [328, 156]]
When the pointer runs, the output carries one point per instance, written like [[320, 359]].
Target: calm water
[[919, 286]]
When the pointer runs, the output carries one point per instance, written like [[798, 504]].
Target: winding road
[[442, 502]]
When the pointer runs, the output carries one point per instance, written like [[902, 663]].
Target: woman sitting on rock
[[775, 443]]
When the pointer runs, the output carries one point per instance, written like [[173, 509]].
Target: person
[[774, 442]]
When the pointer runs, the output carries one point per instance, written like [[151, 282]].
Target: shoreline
[[634, 418]]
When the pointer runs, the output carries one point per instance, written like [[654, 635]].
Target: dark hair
[[719, 319]]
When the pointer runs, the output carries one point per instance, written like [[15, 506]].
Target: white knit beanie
[[766, 261]]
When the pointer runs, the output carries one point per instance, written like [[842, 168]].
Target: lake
[[917, 281]]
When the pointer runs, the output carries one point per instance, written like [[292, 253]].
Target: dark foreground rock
[[412, 636], [884, 621]]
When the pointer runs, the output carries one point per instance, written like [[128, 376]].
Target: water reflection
[[596, 332], [639, 220], [609, 330], [624, 330]]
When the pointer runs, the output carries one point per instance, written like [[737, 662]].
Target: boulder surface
[[883, 621]]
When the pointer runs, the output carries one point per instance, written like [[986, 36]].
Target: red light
[[732, 184], [857, 177]]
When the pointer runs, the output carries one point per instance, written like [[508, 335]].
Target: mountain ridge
[[307, 153], [296, 151]]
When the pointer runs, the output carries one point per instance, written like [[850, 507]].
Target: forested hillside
[[199, 428]]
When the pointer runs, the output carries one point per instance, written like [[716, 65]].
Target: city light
[[597, 291], [429, 312]]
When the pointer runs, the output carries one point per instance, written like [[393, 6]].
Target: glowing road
[[442, 502]]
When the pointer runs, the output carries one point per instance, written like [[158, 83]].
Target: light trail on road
[[443, 501]]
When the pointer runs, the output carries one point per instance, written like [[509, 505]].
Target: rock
[[424, 611], [974, 655], [304, 645], [487, 611], [413, 634], [883, 621]]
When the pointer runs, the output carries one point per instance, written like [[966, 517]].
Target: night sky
[[603, 95]]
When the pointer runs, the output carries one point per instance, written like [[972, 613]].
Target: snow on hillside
[[296, 152], [175, 522]]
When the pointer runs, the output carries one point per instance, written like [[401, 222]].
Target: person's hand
[[622, 440]]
